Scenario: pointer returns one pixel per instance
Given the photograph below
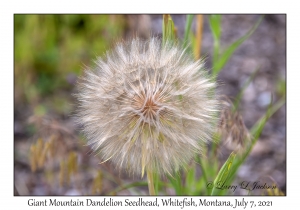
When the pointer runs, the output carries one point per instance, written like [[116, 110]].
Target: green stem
[[150, 183]]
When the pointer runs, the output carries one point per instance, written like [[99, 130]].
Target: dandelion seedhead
[[147, 106]]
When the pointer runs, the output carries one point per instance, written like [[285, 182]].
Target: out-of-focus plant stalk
[[199, 29], [150, 183]]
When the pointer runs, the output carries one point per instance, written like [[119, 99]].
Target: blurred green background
[[50, 52]]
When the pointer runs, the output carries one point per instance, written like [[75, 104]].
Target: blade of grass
[[204, 175], [201, 187], [237, 100], [176, 183], [255, 132], [168, 29], [215, 145], [222, 59], [223, 175], [156, 181], [190, 180], [189, 20], [215, 26]]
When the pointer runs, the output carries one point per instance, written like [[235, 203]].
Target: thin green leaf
[[281, 87], [168, 29], [189, 20], [237, 100], [255, 132], [190, 180], [176, 183], [222, 59], [201, 187], [203, 170], [215, 26], [156, 183], [258, 127], [223, 175]]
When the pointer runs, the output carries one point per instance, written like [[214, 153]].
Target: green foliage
[[237, 99], [168, 29], [176, 183], [220, 59], [223, 175], [215, 25], [281, 87], [50, 51], [187, 31], [209, 167], [256, 131]]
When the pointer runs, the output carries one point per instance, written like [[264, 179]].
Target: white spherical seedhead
[[147, 106]]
